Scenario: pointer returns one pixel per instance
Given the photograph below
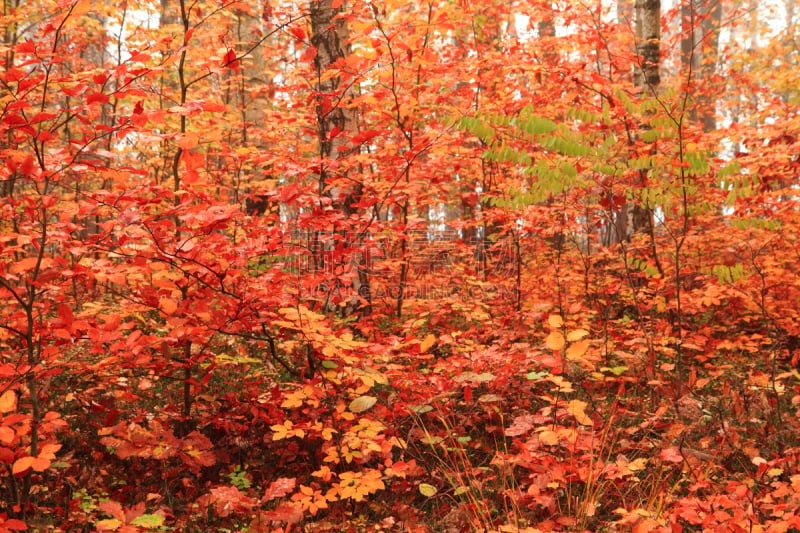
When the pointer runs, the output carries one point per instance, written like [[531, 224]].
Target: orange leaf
[[8, 401], [168, 305], [555, 341], [576, 335], [555, 321], [577, 409], [49, 451], [427, 343], [22, 465], [81, 8], [548, 437], [109, 524], [113, 508], [6, 435], [577, 349], [40, 464], [336, 4], [188, 140]]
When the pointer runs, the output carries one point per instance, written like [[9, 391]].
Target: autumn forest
[[433, 266]]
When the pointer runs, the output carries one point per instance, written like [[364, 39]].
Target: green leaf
[[535, 375], [427, 489], [148, 521]]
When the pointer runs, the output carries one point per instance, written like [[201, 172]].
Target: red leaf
[[6, 455], [113, 508], [40, 117], [14, 74], [520, 426], [13, 523], [279, 488], [231, 61], [336, 4], [97, 98], [671, 455], [298, 32], [66, 315]]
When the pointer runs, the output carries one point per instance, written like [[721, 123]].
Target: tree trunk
[[711, 12], [625, 12], [336, 123], [330, 38], [648, 43]]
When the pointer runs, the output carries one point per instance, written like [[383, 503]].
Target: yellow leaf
[[555, 321], [561, 383], [555, 341], [362, 403], [577, 409], [81, 8], [548, 437], [427, 343], [427, 490], [168, 305], [576, 335], [577, 349], [8, 401], [109, 524]]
